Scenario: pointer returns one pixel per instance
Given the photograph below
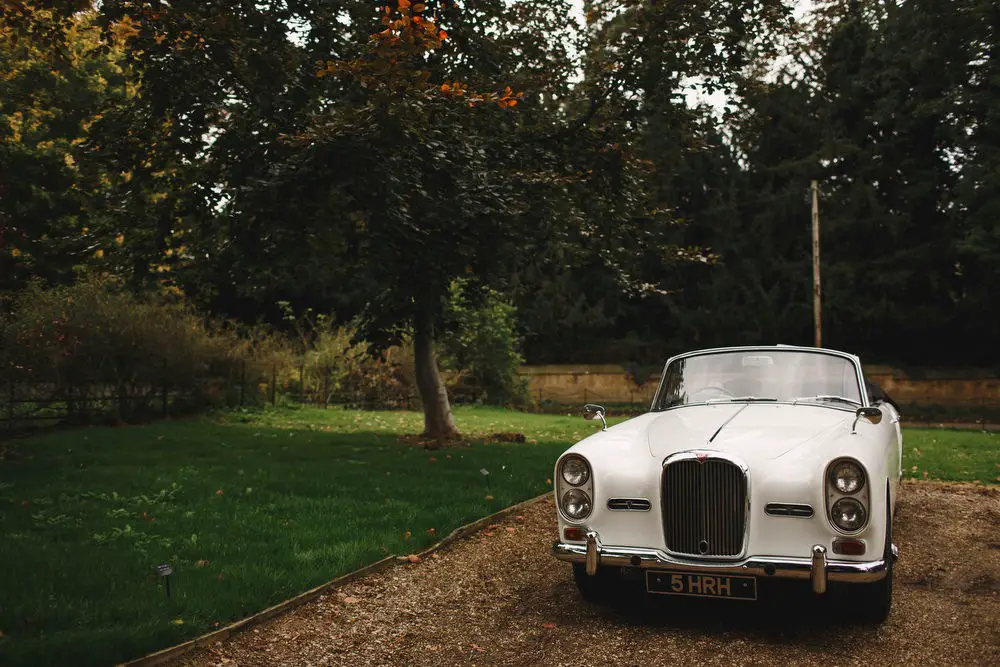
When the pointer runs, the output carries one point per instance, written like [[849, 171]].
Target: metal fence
[[27, 404]]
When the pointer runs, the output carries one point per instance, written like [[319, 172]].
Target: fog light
[[849, 547], [574, 533]]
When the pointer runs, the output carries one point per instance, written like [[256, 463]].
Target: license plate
[[694, 584]]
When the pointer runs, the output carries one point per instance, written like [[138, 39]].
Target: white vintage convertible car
[[753, 463]]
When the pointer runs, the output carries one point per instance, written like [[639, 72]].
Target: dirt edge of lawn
[[171, 653]]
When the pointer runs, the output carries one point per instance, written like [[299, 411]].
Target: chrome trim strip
[[796, 510], [758, 566], [631, 505], [726, 423]]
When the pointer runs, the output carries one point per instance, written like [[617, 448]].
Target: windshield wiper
[[735, 399], [827, 397]]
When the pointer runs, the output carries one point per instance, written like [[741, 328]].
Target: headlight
[[576, 504], [848, 514], [575, 471], [847, 477]]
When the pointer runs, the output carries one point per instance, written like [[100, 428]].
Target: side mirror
[[593, 411], [871, 415]]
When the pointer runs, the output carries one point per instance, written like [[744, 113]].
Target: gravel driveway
[[499, 598]]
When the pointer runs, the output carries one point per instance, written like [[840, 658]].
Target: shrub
[[481, 346], [95, 338], [336, 366]]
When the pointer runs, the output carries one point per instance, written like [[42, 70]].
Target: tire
[[597, 589], [872, 602]]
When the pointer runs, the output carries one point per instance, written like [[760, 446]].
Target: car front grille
[[704, 507]]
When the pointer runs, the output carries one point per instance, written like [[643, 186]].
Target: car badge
[[701, 456]]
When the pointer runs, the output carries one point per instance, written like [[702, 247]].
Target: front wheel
[[874, 601], [597, 589]]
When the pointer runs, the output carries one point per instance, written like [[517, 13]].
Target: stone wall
[[610, 383], [576, 385]]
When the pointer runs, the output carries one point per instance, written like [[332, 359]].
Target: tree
[[56, 86], [396, 173]]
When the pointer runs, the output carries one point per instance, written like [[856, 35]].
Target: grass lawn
[[948, 455], [253, 508]]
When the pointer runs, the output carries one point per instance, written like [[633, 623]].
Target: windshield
[[755, 375]]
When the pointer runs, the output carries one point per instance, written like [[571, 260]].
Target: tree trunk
[[438, 422]]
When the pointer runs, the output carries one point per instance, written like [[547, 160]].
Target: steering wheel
[[713, 388]]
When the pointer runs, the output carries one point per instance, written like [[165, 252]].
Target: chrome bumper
[[816, 568]]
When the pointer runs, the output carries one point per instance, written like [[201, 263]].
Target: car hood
[[754, 430]]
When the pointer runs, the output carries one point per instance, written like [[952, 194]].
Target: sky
[[716, 100]]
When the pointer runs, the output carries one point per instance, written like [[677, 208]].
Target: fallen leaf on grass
[[202, 563], [432, 459], [489, 497], [413, 558], [549, 626], [178, 621], [431, 531], [219, 492], [350, 600], [407, 534]]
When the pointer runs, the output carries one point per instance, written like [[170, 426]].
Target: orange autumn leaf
[[351, 600], [549, 626], [413, 558], [404, 4], [442, 35], [509, 529], [419, 7]]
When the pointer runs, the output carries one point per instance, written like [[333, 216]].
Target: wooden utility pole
[[817, 291]]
